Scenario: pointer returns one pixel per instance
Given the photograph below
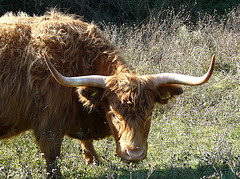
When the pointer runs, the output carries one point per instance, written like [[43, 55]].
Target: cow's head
[[129, 100]]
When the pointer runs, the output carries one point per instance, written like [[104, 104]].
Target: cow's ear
[[90, 96], [166, 92]]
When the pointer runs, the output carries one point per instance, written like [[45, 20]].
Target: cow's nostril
[[126, 151]]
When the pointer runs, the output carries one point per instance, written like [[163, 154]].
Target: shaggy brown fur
[[30, 98]]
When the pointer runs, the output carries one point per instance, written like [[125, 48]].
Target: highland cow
[[103, 97]]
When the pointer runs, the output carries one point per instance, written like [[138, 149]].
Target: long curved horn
[[171, 78], [90, 80]]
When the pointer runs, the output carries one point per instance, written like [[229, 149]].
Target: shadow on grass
[[203, 171]]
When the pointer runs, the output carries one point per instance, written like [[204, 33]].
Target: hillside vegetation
[[196, 135], [120, 11]]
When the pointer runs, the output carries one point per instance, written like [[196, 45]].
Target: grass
[[197, 135]]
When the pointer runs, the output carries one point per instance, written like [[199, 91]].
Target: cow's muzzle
[[133, 154]]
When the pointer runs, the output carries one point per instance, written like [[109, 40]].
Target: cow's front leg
[[50, 144], [89, 153]]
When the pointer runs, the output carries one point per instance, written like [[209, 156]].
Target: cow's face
[[130, 102]]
